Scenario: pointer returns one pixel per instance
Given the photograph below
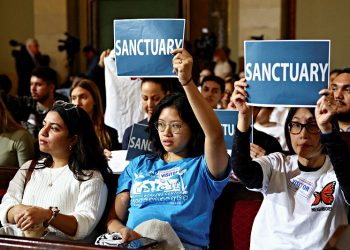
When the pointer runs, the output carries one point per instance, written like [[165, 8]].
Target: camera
[[71, 45], [17, 52]]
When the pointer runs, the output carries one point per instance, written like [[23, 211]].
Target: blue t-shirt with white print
[[182, 193]]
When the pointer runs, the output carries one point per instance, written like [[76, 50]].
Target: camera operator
[[27, 58]]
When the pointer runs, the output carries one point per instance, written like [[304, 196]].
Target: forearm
[[203, 112], [66, 223], [119, 212], [12, 212], [248, 171], [244, 121], [215, 148], [338, 152]]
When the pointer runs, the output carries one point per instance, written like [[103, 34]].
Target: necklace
[[56, 177]]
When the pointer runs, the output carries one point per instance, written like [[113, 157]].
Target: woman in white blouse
[[67, 191]]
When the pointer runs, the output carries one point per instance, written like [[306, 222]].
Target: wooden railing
[[15, 242], [6, 175]]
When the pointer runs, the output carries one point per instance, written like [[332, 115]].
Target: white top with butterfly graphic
[[300, 209]]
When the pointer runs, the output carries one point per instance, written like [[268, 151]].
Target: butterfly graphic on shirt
[[326, 195]]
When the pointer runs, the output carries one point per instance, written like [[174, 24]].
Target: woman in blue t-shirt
[[181, 181]]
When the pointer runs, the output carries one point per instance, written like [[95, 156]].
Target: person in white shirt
[[307, 193]]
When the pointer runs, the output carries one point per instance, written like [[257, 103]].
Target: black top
[[113, 135], [250, 172], [266, 141]]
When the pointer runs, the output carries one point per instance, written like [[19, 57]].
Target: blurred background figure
[[233, 64], [221, 65], [204, 47], [85, 94], [203, 73], [16, 144], [5, 84], [27, 58], [92, 58], [229, 87]]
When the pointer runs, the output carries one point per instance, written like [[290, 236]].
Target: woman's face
[[54, 137], [173, 141], [305, 144], [151, 94], [83, 98]]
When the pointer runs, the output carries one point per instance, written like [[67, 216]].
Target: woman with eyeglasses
[[181, 181], [306, 194], [66, 194]]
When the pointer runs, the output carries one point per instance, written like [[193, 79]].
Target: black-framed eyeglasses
[[174, 126], [295, 127]]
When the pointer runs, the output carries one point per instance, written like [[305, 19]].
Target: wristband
[[54, 211], [186, 83]]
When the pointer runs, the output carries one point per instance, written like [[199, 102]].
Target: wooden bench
[[6, 175], [15, 242], [233, 217]]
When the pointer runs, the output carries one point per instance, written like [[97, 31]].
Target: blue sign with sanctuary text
[[138, 143], [286, 73], [228, 120], [142, 46]]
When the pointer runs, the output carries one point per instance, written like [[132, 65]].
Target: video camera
[[71, 45], [16, 52]]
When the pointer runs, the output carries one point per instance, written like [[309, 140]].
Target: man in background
[[92, 59], [212, 89], [27, 58], [341, 89], [30, 111]]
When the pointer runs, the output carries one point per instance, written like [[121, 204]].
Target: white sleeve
[[14, 193], [123, 98], [90, 206]]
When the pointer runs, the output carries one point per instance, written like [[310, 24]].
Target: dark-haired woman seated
[[66, 193], [180, 183]]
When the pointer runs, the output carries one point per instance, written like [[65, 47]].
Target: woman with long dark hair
[[67, 190], [181, 181]]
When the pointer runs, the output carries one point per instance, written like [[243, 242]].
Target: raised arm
[[248, 171], [330, 137], [215, 148]]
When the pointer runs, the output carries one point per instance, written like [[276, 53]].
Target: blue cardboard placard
[[142, 46], [138, 143], [286, 73], [228, 120]]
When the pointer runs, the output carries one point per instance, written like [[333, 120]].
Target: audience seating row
[[233, 217], [6, 175]]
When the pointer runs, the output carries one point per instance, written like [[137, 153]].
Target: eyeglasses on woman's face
[[295, 128], [174, 126]]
